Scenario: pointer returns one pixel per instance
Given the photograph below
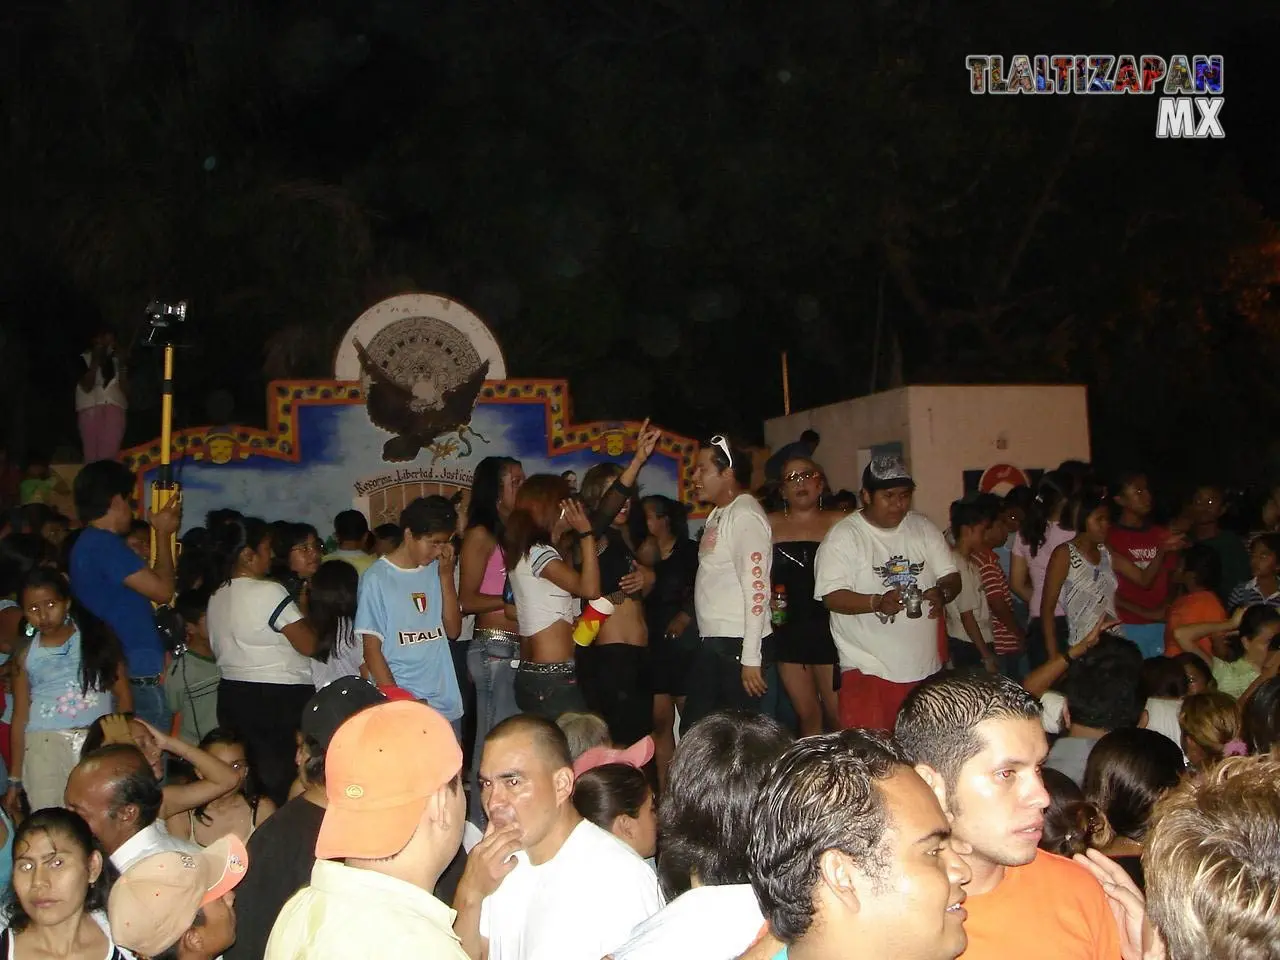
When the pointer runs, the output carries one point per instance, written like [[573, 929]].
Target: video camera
[[166, 323]]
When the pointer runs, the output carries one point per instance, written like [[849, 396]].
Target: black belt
[[156, 681]]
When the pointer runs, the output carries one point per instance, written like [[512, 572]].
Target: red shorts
[[870, 702]]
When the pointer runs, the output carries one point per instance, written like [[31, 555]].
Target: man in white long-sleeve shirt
[[731, 596]]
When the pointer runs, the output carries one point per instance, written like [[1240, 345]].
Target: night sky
[[652, 199]]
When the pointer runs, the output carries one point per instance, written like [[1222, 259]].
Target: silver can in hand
[[913, 602]]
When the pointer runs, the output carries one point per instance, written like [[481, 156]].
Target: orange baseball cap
[[381, 767], [156, 900]]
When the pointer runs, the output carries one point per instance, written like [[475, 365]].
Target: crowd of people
[[546, 721]]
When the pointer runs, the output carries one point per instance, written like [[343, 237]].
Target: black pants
[[716, 682], [547, 694], [266, 716], [616, 682], [1037, 653]]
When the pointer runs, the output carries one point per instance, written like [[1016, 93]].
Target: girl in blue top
[[70, 674]]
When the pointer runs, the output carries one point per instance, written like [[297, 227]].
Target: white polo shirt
[[857, 555]]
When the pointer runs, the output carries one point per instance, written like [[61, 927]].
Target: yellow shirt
[[360, 560], [347, 913]]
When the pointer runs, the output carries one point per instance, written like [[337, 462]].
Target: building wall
[[944, 432], [954, 429], [846, 429]]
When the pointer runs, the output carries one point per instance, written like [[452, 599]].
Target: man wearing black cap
[[885, 573], [284, 846]]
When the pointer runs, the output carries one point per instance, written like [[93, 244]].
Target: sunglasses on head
[[719, 441]]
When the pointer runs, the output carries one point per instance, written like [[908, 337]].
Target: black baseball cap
[[886, 472], [333, 705]]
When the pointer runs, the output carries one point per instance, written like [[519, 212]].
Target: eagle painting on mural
[[419, 406]]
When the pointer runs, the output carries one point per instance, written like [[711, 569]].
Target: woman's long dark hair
[[69, 826], [1128, 771], [286, 535], [673, 511], [193, 561], [251, 791], [1051, 491], [100, 653], [230, 535], [334, 590], [486, 489], [607, 792], [1079, 507]]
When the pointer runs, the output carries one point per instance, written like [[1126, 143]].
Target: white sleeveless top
[[539, 602], [1088, 593]]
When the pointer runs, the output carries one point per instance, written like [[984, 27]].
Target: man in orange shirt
[[976, 739]]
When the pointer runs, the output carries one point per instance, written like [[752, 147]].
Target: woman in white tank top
[[1082, 571], [544, 588]]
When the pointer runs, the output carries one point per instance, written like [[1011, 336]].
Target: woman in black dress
[[668, 608], [802, 644]]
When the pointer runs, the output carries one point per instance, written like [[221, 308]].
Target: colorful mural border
[[280, 440]]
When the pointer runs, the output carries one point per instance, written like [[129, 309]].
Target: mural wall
[[417, 422]]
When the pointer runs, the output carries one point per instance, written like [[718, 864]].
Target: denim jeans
[[489, 658], [150, 705]]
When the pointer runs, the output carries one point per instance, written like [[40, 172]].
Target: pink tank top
[[494, 581]]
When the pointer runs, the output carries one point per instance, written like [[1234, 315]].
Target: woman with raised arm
[[614, 669]]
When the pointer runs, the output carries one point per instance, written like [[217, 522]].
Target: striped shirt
[[996, 586], [1247, 594]]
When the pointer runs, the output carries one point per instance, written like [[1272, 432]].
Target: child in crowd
[[191, 682], [67, 677], [139, 540], [351, 534], [1199, 576], [583, 731], [386, 537], [1210, 724], [408, 609], [40, 484], [1238, 657], [1264, 587], [54, 529], [332, 612]]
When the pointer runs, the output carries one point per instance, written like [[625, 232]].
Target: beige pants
[[50, 757]]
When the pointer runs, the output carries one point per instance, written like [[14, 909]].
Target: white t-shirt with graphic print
[[859, 556]]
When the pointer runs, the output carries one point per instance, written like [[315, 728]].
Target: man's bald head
[[547, 739], [115, 792]]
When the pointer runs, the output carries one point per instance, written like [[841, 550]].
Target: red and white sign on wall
[[1002, 478]]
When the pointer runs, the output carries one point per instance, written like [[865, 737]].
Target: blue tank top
[[57, 702]]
